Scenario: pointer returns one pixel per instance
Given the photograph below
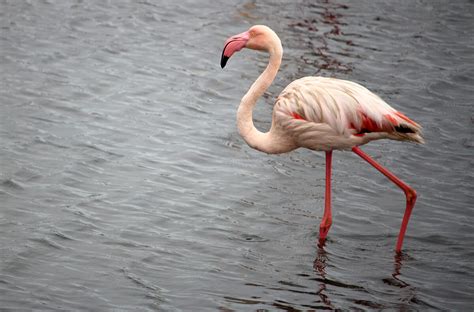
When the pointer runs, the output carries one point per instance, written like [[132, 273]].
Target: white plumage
[[326, 114]]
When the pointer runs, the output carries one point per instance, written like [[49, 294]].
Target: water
[[125, 185]]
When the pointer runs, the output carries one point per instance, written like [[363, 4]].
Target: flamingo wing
[[326, 113]]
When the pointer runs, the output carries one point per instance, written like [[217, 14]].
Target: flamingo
[[321, 114]]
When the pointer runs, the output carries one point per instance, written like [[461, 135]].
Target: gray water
[[124, 184]]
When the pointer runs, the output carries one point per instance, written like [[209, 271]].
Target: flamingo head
[[258, 37]]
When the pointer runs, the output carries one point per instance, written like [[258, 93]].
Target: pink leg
[[327, 217], [409, 193]]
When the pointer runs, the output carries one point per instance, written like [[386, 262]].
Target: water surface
[[125, 185]]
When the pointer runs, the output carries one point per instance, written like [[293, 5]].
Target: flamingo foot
[[323, 233], [323, 230]]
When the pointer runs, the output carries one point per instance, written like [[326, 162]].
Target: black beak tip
[[224, 61]]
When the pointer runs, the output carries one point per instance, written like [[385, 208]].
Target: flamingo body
[[326, 114], [322, 114]]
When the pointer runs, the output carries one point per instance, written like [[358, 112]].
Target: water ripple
[[124, 183]]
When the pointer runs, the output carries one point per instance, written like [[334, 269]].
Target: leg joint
[[411, 195]]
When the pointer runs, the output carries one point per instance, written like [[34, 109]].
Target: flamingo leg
[[327, 217], [410, 193]]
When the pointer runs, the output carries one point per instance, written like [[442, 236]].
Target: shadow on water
[[325, 45], [406, 293], [327, 289], [319, 266], [321, 32]]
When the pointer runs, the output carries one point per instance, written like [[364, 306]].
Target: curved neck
[[254, 138]]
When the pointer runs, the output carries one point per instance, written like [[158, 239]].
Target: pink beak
[[234, 44]]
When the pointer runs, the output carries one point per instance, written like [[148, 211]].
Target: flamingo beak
[[232, 45]]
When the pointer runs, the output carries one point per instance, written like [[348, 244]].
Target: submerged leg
[[327, 217], [409, 193]]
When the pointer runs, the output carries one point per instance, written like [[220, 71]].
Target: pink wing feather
[[346, 112]]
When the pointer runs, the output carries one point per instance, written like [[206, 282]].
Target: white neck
[[261, 141]]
